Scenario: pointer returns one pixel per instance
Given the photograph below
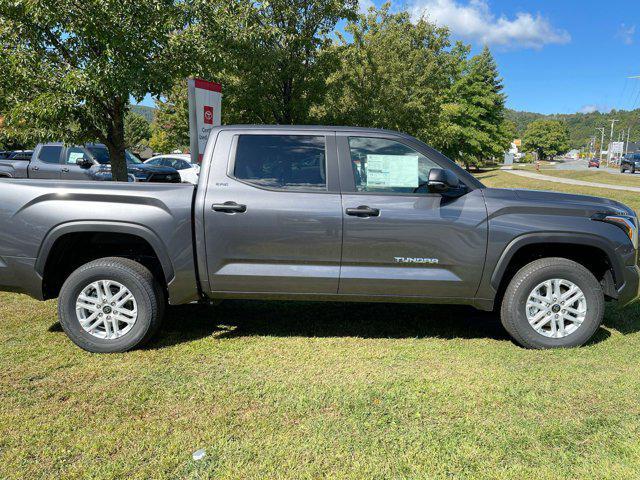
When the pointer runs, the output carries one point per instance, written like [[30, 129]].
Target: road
[[582, 164]]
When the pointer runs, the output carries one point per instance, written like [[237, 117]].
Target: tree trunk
[[115, 142]]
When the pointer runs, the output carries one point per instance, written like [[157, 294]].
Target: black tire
[[621, 169], [513, 314], [633, 170], [148, 295]]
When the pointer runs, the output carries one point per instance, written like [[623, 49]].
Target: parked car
[[316, 213], [594, 162], [85, 162], [630, 162], [16, 154], [181, 162]]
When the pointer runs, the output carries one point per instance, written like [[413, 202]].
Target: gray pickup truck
[[316, 213], [80, 162]]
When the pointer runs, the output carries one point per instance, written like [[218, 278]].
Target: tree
[[547, 138], [274, 70], [136, 129], [160, 142], [172, 116], [476, 128], [394, 74], [78, 64]]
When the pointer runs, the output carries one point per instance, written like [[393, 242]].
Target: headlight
[[627, 223]]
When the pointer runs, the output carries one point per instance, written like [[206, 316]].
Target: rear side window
[[176, 163], [282, 162], [50, 154]]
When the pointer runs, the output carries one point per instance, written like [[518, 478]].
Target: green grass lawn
[[592, 175], [304, 390]]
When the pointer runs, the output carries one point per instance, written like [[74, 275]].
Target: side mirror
[[84, 163], [441, 180]]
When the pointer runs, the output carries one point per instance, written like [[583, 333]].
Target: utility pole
[[610, 141], [601, 142], [626, 147]]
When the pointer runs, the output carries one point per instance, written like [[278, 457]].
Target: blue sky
[[555, 56]]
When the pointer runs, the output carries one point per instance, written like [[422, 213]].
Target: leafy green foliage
[[275, 59], [547, 138], [394, 74], [405, 75], [278, 61], [476, 129], [136, 129], [77, 64], [172, 116], [582, 126], [160, 141]]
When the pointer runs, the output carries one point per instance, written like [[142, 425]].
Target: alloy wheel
[[556, 308], [106, 309]]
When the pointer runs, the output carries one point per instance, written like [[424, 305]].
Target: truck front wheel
[[110, 305], [552, 303]]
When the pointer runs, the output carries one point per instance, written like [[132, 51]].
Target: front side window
[[387, 166], [74, 155], [283, 162], [50, 154], [101, 155]]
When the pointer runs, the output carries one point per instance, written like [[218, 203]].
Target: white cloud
[[627, 34], [474, 20], [595, 108], [365, 5]]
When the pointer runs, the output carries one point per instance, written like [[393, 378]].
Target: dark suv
[[631, 162]]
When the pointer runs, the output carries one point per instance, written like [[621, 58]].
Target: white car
[[181, 162]]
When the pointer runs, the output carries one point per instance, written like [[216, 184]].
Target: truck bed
[[35, 213], [13, 168]]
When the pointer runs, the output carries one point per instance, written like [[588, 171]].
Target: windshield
[[101, 154]]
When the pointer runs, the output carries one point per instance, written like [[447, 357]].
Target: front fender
[[560, 238]]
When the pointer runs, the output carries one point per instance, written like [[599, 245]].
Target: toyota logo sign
[[208, 115]]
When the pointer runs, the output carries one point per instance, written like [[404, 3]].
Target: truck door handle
[[35, 168], [65, 170], [229, 207], [363, 211]]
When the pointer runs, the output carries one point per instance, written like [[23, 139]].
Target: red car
[[594, 162]]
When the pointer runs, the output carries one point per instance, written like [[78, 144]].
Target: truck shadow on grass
[[233, 319]]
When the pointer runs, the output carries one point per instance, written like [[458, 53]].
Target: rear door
[[399, 239], [273, 215], [46, 162]]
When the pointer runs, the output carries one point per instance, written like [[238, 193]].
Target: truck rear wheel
[[552, 303], [110, 305]]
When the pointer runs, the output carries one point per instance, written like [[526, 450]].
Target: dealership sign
[[205, 100]]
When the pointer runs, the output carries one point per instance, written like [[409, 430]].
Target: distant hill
[[582, 126], [147, 112]]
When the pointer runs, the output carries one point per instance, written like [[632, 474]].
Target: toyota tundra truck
[[315, 213]]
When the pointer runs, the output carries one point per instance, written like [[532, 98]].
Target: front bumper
[[630, 289]]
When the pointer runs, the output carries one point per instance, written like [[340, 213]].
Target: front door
[[273, 215], [71, 169], [399, 239]]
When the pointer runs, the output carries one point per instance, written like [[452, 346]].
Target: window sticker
[[392, 171], [75, 156]]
